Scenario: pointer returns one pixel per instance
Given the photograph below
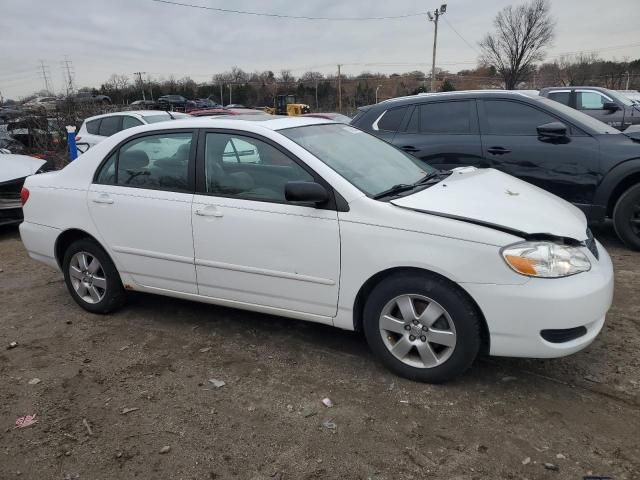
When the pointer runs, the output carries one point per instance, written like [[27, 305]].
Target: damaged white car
[[13, 170], [319, 221]]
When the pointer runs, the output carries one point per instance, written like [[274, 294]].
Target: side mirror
[[611, 106], [310, 192], [552, 130]]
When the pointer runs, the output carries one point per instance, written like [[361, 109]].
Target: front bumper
[[516, 314]]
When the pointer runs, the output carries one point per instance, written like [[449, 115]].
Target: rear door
[[443, 134], [567, 167]]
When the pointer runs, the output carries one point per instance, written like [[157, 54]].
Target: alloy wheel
[[87, 277]]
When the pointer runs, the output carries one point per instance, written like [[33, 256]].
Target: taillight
[[78, 138], [24, 195]]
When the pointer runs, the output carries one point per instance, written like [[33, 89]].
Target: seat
[[133, 167]]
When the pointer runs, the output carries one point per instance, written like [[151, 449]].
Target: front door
[[567, 167], [140, 203], [251, 245], [591, 102]]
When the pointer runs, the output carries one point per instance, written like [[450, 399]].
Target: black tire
[[457, 305], [626, 217], [114, 295]]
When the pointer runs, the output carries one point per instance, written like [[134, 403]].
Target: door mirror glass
[[553, 130], [311, 192], [611, 106]]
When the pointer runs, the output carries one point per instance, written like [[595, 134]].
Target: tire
[[441, 309], [626, 217], [96, 289]]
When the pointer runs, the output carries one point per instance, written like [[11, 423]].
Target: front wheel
[[626, 217], [422, 327], [92, 278]]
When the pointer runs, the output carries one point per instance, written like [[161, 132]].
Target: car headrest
[[133, 160], [183, 152]]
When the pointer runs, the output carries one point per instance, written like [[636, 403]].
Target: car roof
[[270, 122], [458, 94], [140, 113]]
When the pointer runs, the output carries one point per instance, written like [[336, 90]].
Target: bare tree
[[286, 78], [520, 37]]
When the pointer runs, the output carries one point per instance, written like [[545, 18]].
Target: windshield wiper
[[430, 176], [399, 188]]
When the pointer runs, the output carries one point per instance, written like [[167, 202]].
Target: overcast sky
[[124, 36]]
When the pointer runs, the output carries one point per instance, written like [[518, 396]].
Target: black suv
[[543, 142], [605, 105]]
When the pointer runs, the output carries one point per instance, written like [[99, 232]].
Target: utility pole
[[377, 88], [139, 74], [68, 66], [434, 18], [627, 88], [45, 77], [339, 90], [317, 107], [230, 89]]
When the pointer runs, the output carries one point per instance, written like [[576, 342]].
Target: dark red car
[[212, 112]]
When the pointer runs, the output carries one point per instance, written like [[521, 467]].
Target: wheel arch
[[373, 281], [66, 238], [616, 182]]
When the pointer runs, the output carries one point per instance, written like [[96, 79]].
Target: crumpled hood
[[497, 200], [13, 167]]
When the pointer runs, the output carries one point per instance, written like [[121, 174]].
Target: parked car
[[13, 170], [548, 144], [215, 112], [175, 102], [41, 104], [328, 224], [144, 104], [605, 105], [632, 95], [95, 129], [336, 117], [204, 103], [88, 97]]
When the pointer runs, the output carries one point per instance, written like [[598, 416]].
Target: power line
[[291, 17], [461, 37]]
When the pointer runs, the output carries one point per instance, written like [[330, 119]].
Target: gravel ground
[[505, 419]]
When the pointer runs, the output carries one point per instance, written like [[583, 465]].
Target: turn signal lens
[[24, 195], [545, 259]]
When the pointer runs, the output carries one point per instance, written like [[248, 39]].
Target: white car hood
[[497, 200], [13, 166]]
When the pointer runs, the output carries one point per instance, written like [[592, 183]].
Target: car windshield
[[620, 98], [578, 117], [369, 163]]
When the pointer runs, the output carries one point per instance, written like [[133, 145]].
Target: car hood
[[13, 167], [496, 200]]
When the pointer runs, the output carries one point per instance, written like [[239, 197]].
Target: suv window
[[110, 126], [159, 162], [245, 167], [391, 119], [561, 97], [513, 118], [130, 122], [445, 117], [590, 100], [93, 127]]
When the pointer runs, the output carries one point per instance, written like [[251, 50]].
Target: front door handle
[[103, 198], [498, 150], [410, 149], [208, 211]]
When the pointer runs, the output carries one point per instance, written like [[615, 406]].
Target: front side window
[[590, 100], [446, 117], [560, 97], [158, 162], [514, 118], [249, 168], [391, 119], [110, 126], [370, 164]]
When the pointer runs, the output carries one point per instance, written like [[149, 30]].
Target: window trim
[[335, 202], [191, 181]]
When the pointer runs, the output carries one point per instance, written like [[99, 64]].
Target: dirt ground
[[505, 419]]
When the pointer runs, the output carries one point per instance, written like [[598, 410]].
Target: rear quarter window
[[391, 119], [93, 127]]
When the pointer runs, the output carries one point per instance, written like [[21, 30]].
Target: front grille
[[590, 243], [563, 335]]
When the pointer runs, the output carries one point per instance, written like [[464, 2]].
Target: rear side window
[[110, 126], [561, 97], [513, 118], [391, 119], [446, 117], [130, 122], [93, 127]]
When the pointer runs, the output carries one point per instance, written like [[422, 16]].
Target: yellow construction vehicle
[[287, 105]]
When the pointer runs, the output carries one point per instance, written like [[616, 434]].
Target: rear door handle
[[498, 150], [102, 198], [410, 149], [208, 211]]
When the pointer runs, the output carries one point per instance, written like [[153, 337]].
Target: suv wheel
[[422, 327], [92, 278], [626, 217]]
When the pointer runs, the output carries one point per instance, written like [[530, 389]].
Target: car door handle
[[498, 150], [208, 211], [103, 198], [410, 149]]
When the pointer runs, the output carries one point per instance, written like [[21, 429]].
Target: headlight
[[545, 259]]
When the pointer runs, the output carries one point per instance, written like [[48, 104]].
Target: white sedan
[[328, 224]]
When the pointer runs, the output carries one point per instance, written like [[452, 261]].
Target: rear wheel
[[626, 217], [92, 278], [422, 327]]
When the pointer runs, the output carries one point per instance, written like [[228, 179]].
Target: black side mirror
[[552, 130], [611, 106], [311, 192]]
